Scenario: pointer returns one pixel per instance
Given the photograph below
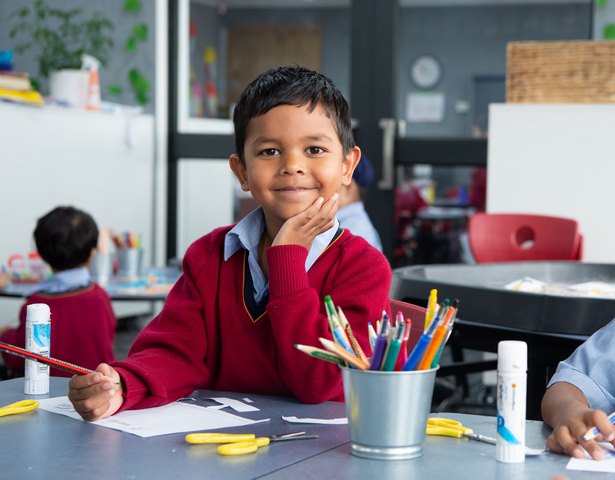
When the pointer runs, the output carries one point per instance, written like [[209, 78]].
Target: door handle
[[388, 126]]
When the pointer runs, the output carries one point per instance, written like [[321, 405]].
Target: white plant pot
[[70, 86]]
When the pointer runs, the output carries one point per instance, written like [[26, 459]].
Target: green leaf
[[609, 31], [140, 31], [131, 45], [601, 3], [132, 5], [115, 89], [140, 85]]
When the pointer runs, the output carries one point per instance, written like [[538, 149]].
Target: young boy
[[249, 293], [82, 319], [580, 395], [351, 213]]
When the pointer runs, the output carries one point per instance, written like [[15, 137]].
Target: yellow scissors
[[240, 443], [18, 407], [452, 428]]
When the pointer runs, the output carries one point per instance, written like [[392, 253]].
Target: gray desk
[[43, 445], [119, 288]]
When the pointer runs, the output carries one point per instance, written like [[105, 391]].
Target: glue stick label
[[511, 396]]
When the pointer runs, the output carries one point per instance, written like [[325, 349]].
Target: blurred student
[[580, 395], [351, 213], [82, 319], [250, 292]]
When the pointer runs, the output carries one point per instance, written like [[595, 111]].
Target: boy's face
[[292, 157]]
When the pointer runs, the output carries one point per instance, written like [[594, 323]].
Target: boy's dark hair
[[65, 237], [291, 85]]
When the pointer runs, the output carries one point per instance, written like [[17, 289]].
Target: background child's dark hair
[[65, 237], [291, 85]]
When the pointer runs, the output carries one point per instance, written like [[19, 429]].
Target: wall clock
[[425, 71]]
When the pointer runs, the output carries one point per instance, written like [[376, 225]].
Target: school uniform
[[82, 322], [225, 327]]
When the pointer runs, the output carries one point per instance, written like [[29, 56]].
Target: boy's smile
[[292, 157]]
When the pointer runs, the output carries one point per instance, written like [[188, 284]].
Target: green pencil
[[320, 354]]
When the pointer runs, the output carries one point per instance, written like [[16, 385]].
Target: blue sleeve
[[590, 369]]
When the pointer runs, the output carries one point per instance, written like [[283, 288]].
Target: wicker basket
[[561, 72]]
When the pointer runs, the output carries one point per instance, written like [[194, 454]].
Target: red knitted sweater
[[82, 329], [210, 334]]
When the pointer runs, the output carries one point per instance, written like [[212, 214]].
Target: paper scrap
[[588, 464], [175, 417], [320, 421], [236, 405]]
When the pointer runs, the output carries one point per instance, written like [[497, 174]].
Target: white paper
[[425, 107], [588, 464], [320, 421], [236, 405], [175, 417]]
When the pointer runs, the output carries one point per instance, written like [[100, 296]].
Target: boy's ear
[[239, 169], [351, 160]]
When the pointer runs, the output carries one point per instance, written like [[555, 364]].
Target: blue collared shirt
[[354, 217], [63, 281], [590, 369], [247, 234]]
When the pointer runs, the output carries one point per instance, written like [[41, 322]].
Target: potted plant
[[60, 37]]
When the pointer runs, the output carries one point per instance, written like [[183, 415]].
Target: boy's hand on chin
[[305, 226]]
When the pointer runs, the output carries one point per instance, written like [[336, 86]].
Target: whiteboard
[[556, 160]]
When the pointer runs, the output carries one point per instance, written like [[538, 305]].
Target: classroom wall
[[469, 41]]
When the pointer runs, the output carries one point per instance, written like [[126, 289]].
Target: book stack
[[16, 87]]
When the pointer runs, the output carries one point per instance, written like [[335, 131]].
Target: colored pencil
[[52, 362], [321, 354], [342, 353]]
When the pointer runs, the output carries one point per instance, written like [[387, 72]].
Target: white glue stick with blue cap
[[511, 399], [38, 340]]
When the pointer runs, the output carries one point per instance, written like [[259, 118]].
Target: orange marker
[[438, 338]]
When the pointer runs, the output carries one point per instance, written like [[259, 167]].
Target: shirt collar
[[247, 234], [63, 281]]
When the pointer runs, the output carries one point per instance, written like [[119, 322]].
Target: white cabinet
[[101, 163]]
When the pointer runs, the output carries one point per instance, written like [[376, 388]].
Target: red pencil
[[52, 362]]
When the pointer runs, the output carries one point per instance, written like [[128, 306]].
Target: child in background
[[250, 292], [351, 213], [580, 395], [82, 319]]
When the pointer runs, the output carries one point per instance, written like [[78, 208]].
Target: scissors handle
[[18, 407], [198, 438], [240, 448], [445, 431]]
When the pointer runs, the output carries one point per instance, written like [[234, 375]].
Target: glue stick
[[38, 339], [511, 398]]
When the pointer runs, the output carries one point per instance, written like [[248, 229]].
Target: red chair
[[517, 237], [416, 314]]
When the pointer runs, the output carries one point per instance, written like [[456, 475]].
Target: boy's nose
[[292, 164]]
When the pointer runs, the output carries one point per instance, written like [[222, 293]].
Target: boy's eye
[[315, 150], [268, 152]]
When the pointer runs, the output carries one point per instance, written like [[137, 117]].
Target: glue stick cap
[[38, 312], [512, 356]]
